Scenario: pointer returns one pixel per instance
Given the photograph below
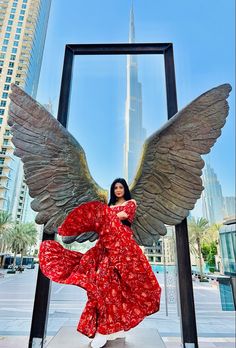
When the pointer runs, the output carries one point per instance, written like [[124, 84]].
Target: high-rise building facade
[[230, 207], [227, 284], [163, 251], [212, 197], [134, 132], [23, 26]]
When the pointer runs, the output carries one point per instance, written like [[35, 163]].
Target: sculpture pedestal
[[68, 337]]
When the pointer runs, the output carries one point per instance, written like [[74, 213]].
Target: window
[[23, 6], [21, 18], [2, 112], [8, 79], [18, 75], [17, 37], [9, 72], [8, 28], [2, 55], [0, 70], [1, 119], [4, 95], [1, 62], [20, 24], [5, 42], [11, 64], [14, 4], [6, 87], [22, 12], [5, 142], [13, 57], [16, 43], [17, 83], [7, 35], [11, 16], [25, 1], [10, 22], [1, 160], [3, 103], [14, 50], [4, 48], [18, 30], [13, 10]]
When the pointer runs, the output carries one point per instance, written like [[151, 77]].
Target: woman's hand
[[122, 215]]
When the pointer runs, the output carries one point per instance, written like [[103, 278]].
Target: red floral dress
[[121, 286]]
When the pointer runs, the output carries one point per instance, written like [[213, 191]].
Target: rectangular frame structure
[[188, 319]]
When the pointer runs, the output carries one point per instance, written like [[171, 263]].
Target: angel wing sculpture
[[168, 181]]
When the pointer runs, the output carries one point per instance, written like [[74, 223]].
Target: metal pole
[[43, 285], [188, 319], [164, 266], [64, 100], [41, 307], [176, 275]]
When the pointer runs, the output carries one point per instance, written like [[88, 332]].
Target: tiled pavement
[[215, 328], [170, 342]]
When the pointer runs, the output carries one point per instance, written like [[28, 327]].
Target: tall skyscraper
[[134, 131], [23, 26], [212, 197], [230, 207]]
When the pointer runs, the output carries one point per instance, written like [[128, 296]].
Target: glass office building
[[23, 27], [212, 197], [228, 253], [135, 134]]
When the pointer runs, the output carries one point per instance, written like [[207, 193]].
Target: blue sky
[[203, 36]]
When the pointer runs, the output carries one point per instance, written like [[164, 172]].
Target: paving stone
[[137, 338]]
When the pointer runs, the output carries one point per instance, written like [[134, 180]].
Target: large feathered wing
[[168, 182], [55, 165]]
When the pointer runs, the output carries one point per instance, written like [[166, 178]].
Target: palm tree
[[30, 234], [197, 235], [20, 238], [5, 225], [15, 241], [214, 232]]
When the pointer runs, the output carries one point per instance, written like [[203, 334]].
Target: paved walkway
[[215, 327], [170, 342]]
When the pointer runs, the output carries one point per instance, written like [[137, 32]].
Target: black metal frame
[[188, 320]]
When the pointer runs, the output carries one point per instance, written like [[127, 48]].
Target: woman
[[120, 284]]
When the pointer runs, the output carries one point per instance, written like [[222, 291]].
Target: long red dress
[[121, 286]]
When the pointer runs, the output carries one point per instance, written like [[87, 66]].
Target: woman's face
[[119, 190]]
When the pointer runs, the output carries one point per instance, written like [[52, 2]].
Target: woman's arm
[[128, 211], [122, 215]]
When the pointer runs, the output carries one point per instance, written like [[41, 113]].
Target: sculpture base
[[67, 336]]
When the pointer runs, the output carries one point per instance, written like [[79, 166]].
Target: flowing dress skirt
[[121, 286]]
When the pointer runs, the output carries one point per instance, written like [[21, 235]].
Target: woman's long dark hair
[[113, 198]]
